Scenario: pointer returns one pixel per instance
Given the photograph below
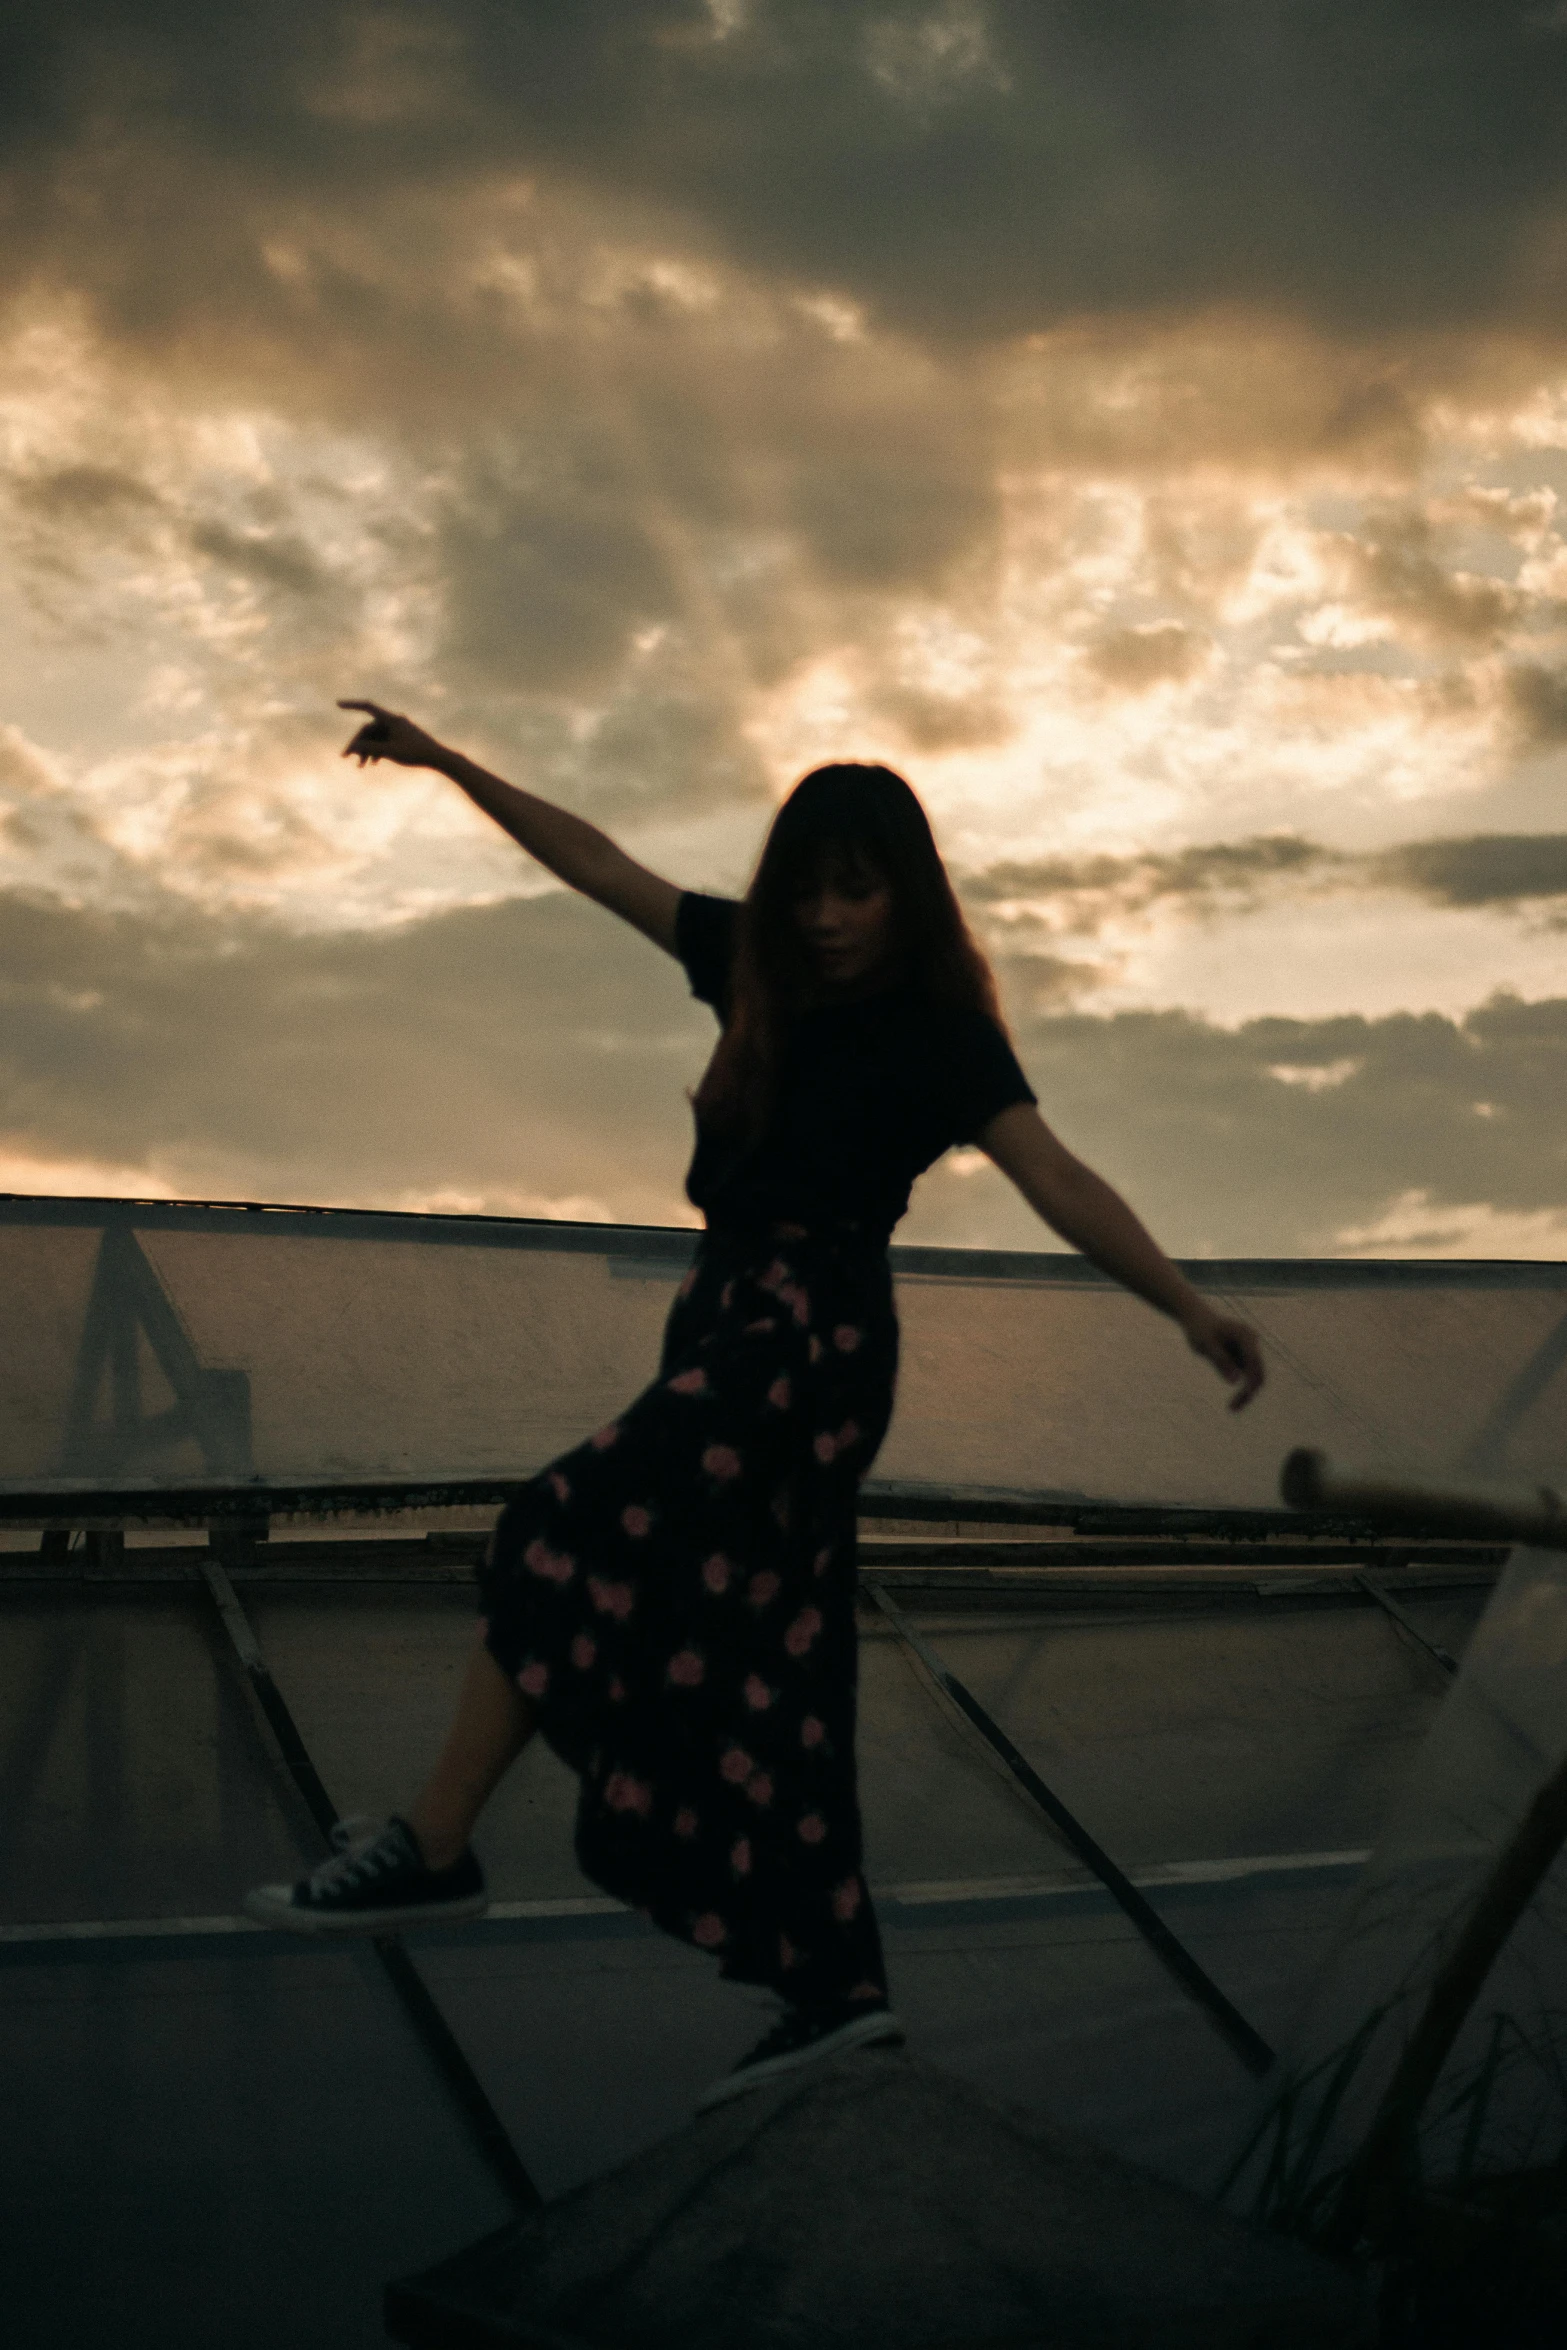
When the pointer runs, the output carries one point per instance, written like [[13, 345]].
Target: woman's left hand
[[1231, 1346]]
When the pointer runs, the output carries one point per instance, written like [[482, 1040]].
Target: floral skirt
[[675, 1598]]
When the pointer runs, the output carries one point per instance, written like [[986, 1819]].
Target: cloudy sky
[[1144, 424]]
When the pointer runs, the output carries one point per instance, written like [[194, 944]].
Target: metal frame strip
[[1391, 1608], [1243, 2042], [435, 2035]]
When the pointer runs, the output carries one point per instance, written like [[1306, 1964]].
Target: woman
[[672, 1603]]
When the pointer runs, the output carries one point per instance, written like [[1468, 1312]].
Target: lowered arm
[[1091, 1217]]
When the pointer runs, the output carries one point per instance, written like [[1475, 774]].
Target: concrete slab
[[219, 2152], [877, 2201]]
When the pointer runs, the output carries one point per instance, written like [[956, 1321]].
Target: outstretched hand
[[1233, 1349], [387, 736]]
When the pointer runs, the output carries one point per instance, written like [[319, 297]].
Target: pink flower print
[[686, 1822], [778, 1395], [686, 1669], [708, 1931], [847, 1339], [873, 1991], [740, 1856], [611, 1599], [846, 1900], [814, 1348], [583, 1652], [617, 1690], [802, 1632], [534, 1678], [721, 1461], [788, 1956], [735, 1765], [812, 1731], [775, 1276], [762, 1589], [693, 1382], [799, 1304], [761, 1328], [757, 1694], [813, 1828], [825, 1448], [636, 1520], [848, 1435], [623, 1792], [824, 1560], [726, 1297], [553, 1566], [605, 1437], [716, 1573], [559, 1486], [688, 1284], [759, 1787]]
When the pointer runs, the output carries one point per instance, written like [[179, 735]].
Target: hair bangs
[[847, 823]]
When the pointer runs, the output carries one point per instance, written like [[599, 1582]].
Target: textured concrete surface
[[878, 2202]]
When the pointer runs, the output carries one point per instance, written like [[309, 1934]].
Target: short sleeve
[[705, 943], [983, 1075]]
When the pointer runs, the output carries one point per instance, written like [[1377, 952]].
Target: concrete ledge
[[870, 2203]]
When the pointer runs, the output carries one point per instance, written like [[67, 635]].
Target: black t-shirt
[[870, 1093]]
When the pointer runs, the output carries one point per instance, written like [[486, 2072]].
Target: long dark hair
[[861, 820]]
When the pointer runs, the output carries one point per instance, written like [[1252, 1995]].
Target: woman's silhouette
[[672, 1603]]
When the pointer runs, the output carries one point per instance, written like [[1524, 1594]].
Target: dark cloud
[[1157, 653], [539, 1050], [1538, 698], [1487, 869], [900, 499], [1285, 1132], [657, 744], [89, 494], [666, 750], [276, 559], [1477, 869], [550, 570], [945, 722], [1399, 574], [970, 167], [1277, 1137], [1213, 874], [520, 1049]]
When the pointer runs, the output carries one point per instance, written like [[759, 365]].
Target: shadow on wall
[[133, 1339]]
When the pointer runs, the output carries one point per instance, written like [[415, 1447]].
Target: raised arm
[[1082, 1208], [575, 851]]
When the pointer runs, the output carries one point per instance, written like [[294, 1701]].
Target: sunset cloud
[[1147, 427], [525, 1042]]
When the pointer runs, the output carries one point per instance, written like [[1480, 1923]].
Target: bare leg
[[490, 1728]]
